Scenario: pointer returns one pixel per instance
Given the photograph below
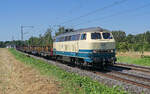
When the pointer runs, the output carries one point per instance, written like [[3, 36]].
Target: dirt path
[[16, 78]]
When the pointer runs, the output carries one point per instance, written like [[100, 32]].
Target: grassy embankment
[[70, 82], [134, 58]]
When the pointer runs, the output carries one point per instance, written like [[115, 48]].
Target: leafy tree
[[119, 35], [60, 31], [34, 41], [147, 37], [130, 38], [2, 45], [48, 37]]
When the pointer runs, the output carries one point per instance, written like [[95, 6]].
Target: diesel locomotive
[[89, 46]]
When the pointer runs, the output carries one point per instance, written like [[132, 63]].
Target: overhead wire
[[115, 14], [79, 6], [95, 11]]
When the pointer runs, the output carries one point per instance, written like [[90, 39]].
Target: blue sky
[[128, 16]]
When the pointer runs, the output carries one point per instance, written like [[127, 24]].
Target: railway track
[[111, 76], [131, 76], [133, 67], [118, 77]]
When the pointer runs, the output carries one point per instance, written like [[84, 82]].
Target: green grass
[[70, 82], [130, 60]]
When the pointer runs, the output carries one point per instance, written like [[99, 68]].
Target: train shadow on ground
[[108, 69]]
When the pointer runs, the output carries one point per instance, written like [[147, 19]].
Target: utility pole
[[22, 33], [144, 41], [12, 38]]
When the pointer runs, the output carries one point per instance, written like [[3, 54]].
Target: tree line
[[130, 42], [41, 40], [124, 42]]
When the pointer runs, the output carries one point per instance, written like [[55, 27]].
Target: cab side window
[[83, 37]]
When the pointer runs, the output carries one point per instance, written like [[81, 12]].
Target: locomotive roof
[[89, 29], [82, 30]]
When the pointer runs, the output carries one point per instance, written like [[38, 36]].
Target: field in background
[[134, 58]]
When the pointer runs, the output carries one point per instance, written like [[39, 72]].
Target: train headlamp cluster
[[111, 51], [94, 51], [103, 51]]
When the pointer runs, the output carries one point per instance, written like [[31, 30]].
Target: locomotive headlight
[[111, 51], [94, 51]]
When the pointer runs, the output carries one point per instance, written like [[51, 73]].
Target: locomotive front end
[[98, 48], [103, 45]]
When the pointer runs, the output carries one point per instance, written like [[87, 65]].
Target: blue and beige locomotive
[[90, 46]]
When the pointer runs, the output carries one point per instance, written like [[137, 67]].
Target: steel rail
[[123, 80]]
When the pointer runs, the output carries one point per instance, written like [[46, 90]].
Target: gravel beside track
[[110, 81]]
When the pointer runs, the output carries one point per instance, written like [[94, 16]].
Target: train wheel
[[56, 58], [102, 66], [78, 62], [72, 60]]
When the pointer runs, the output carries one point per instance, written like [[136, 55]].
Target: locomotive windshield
[[83, 37], [107, 36], [95, 36]]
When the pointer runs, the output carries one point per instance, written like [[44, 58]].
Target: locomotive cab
[[99, 46]]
